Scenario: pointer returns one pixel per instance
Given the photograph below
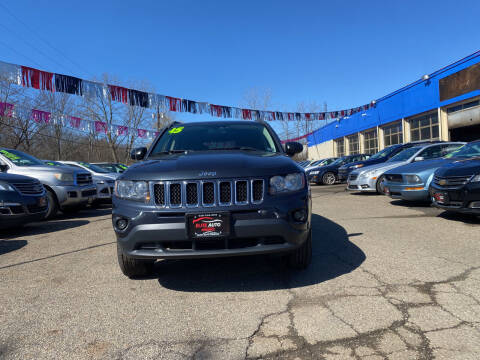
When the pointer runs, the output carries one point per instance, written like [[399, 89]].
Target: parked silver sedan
[[370, 178]]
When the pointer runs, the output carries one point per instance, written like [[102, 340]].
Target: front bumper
[[362, 184], [22, 210], [464, 200], [104, 191], [69, 196], [406, 192], [343, 174], [154, 234]]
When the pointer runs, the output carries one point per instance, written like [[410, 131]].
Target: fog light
[[122, 224], [300, 215], [474, 205]]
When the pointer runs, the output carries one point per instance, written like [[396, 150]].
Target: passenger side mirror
[[292, 148], [419, 158], [3, 168], [138, 153]]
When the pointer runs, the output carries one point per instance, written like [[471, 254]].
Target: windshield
[[208, 137], [404, 155], [94, 168], [466, 151], [20, 159], [114, 168], [381, 154], [338, 161]]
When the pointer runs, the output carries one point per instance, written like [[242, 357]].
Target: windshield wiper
[[175, 151]]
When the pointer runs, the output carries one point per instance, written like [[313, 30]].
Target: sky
[[344, 53]]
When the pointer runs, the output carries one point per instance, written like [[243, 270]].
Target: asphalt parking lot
[[388, 281]]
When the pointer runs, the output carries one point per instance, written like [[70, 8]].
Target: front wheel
[[380, 185], [52, 205], [301, 258], [329, 178], [133, 267]]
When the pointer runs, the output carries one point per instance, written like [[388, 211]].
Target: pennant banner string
[[43, 80]]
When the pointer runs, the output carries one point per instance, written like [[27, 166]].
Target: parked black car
[[22, 200], [377, 158], [328, 175], [212, 189], [456, 186]]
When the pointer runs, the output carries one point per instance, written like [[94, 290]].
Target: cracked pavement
[[389, 280]]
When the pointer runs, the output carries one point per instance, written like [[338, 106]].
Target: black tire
[[301, 258], [52, 205], [329, 178], [133, 267], [380, 189]]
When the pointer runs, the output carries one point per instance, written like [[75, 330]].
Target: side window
[[432, 152], [449, 148]]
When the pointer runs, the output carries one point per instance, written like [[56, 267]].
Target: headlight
[[476, 178], [4, 186], [132, 190], [356, 166], [368, 174], [101, 182], [291, 182], [314, 172], [64, 177], [412, 179]]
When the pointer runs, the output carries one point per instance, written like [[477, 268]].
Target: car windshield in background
[[382, 154], [404, 155], [466, 151], [209, 137], [338, 161], [20, 159], [94, 168], [113, 168]]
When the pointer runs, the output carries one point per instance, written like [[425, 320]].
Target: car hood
[[418, 167], [102, 177], [217, 164], [382, 167], [13, 178], [365, 163], [460, 168], [46, 169]]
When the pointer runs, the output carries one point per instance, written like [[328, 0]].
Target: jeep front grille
[[208, 193]]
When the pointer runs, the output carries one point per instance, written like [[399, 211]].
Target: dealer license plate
[[208, 225]]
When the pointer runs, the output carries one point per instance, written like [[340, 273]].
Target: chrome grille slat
[[207, 193], [33, 188], [84, 179], [451, 181]]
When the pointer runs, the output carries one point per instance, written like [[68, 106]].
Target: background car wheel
[[379, 186], [133, 267], [301, 258], [329, 178], [52, 205]]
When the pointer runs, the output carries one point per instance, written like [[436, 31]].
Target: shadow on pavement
[[11, 245], [39, 228], [412, 204], [465, 218], [333, 256], [86, 213]]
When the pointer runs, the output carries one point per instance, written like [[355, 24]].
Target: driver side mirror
[[419, 158], [3, 168], [138, 153], [292, 148]]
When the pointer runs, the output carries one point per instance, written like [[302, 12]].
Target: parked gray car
[[371, 178], [103, 179], [68, 189]]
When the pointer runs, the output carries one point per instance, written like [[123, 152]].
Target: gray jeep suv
[[212, 189]]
